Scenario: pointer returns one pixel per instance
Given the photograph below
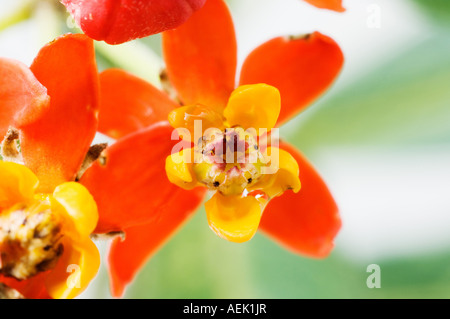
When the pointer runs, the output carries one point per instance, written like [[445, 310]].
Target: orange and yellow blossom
[[243, 174], [46, 217], [46, 233], [130, 183]]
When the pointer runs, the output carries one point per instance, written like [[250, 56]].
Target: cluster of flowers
[[58, 191]]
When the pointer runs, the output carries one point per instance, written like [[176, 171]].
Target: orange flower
[[335, 5], [121, 21], [230, 160], [115, 22], [57, 257], [53, 105], [130, 184]]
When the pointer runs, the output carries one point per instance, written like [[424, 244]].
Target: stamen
[[229, 161], [30, 240], [9, 293], [94, 153], [10, 147]]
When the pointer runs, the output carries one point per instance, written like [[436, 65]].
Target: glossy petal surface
[[127, 257], [118, 21], [55, 139], [201, 56], [128, 104], [301, 68], [335, 5], [19, 89], [305, 222], [234, 218], [253, 106], [130, 184]]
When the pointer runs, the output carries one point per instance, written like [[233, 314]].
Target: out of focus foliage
[[439, 10]]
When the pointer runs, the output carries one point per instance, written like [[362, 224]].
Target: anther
[[230, 173], [30, 241]]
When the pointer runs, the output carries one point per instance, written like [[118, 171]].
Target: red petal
[[55, 139], [19, 89], [33, 288], [201, 56], [335, 5], [129, 256], [117, 21], [128, 104], [308, 221], [301, 68], [131, 187]]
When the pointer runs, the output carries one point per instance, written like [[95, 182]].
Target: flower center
[[228, 161], [7, 292], [30, 240]]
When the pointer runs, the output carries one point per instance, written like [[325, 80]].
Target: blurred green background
[[380, 138]]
